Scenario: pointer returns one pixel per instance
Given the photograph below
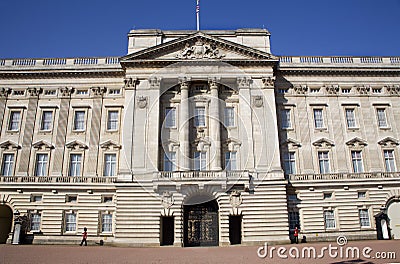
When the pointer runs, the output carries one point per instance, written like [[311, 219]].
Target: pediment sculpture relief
[[200, 50]]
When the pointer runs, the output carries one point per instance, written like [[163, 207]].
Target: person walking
[[296, 235], [84, 236]]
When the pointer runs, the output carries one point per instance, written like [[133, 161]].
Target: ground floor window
[[106, 223], [35, 221], [364, 218], [329, 217], [70, 222]]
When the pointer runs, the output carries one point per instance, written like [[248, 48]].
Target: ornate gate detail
[[201, 224]]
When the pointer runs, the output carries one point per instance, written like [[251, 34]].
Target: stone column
[[184, 126], [214, 131]]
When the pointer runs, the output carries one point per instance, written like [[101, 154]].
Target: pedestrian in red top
[[296, 235], [84, 236]]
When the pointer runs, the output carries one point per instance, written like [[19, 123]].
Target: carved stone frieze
[[258, 101], [269, 81], [154, 82], [130, 83], [142, 102], [4, 91], [99, 91], [300, 89], [34, 92], [332, 89], [235, 199], [393, 89], [244, 81], [66, 91], [200, 50], [364, 89]]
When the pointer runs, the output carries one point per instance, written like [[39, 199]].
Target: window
[[199, 117], [15, 118], [318, 118], [47, 120], [8, 165], [82, 92], [283, 91], [75, 165], [390, 163], [346, 90], [170, 117], [200, 161], [361, 195], [350, 118], [364, 218], [36, 198], [323, 159], [110, 164], [294, 219], [41, 165], [229, 117], [112, 120], [381, 114], [170, 161], [328, 195], [356, 157], [230, 161], [289, 163], [115, 91], [70, 222], [79, 120], [71, 198], [285, 119], [107, 199], [106, 222], [35, 221], [329, 218]]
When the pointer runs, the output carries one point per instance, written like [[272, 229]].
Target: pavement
[[373, 251]]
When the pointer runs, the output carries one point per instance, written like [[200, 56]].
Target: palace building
[[199, 138]]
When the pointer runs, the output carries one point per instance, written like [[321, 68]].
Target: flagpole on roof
[[198, 14]]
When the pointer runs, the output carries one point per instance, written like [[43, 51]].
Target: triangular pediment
[[11, 145], [323, 143], [356, 142], [198, 46], [388, 142], [76, 144], [291, 143], [43, 144], [110, 144]]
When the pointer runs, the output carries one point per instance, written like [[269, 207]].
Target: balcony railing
[[58, 62], [342, 176], [182, 175], [58, 179], [338, 60]]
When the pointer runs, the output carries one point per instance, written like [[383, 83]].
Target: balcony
[[56, 179], [200, 175], [301, 178]]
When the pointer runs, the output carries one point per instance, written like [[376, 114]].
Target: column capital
[[214, 82], [269, 82], [130, 83], [244, 81], [34, 92], [184, 82], [5, 91], [155, 81]]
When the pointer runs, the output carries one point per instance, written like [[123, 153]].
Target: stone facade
[[199, 138]]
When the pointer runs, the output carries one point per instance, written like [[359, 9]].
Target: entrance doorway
[[167, 231], [201, 224], [393, 212], [6, 217], [235, 229]]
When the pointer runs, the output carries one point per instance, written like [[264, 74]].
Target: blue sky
[[77, 28]]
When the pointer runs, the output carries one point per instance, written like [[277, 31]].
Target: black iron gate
[[201, 224]]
